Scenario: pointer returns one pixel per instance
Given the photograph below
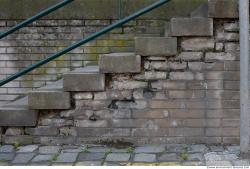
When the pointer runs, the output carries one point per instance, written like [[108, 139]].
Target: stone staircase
[[57, 96], [180, 88]]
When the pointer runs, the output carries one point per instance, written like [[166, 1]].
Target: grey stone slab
[[155, 46], [241, 163], [39, 164], [217, 148], [98, 150], [92, 78], [150, 149], [213, 156], [192, 163], [49, 149], [66, 158], [17, 116], [57, 85], [118, 157], [223, 9], [23, 158], [176, 148], [42, 158], [115, 150], [6, 149], [142, 157], [91, 156], [230, 157], [120, 63], [89, 163], [6, 156], [115, 164], [46, 100], [63, 164], [218, 163], [195, 157], [27, 149], [76, 150], [191, 27], [169, 157], [233, 149], [198, 148]]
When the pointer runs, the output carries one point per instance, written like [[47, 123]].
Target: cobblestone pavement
[[95, 155]]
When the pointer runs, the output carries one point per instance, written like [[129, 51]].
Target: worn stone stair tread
[[84, 79], [156, 46], [87, 69], [128, 63], [196, 26], [17, 113], [50, 96], [58, 85]]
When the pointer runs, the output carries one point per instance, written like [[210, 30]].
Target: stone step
[[120, 63], [49, 97], [17, 113], [84, 79], [156, 46], [191, 26]]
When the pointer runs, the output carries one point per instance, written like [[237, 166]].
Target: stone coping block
[[120, 63], [84, 79], [45, 100], [156, 46], [17, 114], [191, 27]]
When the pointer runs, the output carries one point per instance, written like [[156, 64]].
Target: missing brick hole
[[148, 94], [114, 105], [93, 117]]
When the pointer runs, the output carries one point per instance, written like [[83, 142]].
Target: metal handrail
[[86, 40], [35, 17]]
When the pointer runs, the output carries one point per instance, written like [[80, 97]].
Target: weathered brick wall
[[189, 98], [46, 37], [65, 26]]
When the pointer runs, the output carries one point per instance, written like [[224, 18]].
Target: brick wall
[[46, 37], [191, 97]]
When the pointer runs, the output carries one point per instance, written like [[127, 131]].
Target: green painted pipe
[[86, 40], [36, 17]]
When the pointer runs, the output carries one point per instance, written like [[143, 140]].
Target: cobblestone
[[91, 156], [6, 149], [118, 157], [27, 149], [97, 155], [168, 157], [89, 163], [150, 149], [42, 158], [23, 158], [67, 158], [145, 158], [49, 149], [6, 156]]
